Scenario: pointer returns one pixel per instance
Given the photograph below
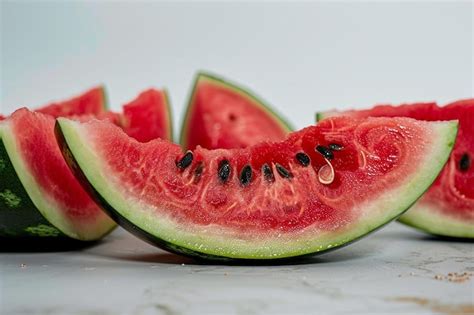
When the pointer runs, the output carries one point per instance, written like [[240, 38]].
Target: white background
[[299, 57]]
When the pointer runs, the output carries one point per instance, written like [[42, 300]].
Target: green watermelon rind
[[46, 208], [164, 233], [423, 215], [169, 115], [247, 93], [427, 220], [18, 215]]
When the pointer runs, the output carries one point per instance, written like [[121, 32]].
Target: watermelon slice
[[447, 209], [151, 108], [319, 189], [39, 195], [93, 101], [223, 115]]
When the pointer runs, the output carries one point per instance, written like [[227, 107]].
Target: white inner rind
[[221, 241], [47, 205], [430, 218]]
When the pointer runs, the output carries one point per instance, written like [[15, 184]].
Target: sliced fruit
[[223, 115], [39, 195], [93, 101], [447, 208], [321, 188], [151, 108]]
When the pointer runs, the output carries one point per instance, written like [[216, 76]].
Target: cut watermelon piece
[[222, 115], [39, 195], [93, 102], [151, 108], [447, 208], [321, 188]]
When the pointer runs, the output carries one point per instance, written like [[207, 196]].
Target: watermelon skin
[[221, 114], [18, 215], [29, 221], [447, 208], [127, 194]]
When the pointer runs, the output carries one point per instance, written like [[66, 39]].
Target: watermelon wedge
[[223, 115], [151, 108], [319, 189], [39, 195], [93, 101], [447, 209]]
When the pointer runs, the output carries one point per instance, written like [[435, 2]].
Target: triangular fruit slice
[[319, 189], [93, 101], [151, 108], [39, 195], [447, 208], [223, 115]]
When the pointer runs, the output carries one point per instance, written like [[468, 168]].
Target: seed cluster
[[224, 169]]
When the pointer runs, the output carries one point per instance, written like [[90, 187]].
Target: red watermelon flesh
[[264, 201], [151, 109], [448, 207], [29, 140], [91, 102], [31, 145], [223, 115]]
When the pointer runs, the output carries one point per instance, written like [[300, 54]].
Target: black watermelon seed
[[303, 158], [246, 175], [198, 172], [283, 171], [335, 147], [464, 162], [185, 161], [223, 171], [326, 152], [268, 173]]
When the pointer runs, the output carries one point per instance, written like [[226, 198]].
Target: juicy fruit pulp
[[39, 194], [151, 109], [221, 115], [447, 208], [28, 139], [92, 101], [265, 201]]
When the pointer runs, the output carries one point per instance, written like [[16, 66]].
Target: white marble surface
[[391, 271]]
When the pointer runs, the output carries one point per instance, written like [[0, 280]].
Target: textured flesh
[[447, 208], [222, 115], [150, 109], [90, 102], [30, 142], [52, 192], [264, 220]]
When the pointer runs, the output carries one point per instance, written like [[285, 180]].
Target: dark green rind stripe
[[319, 117], [157, 241], [231, 86], [19, 217]]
